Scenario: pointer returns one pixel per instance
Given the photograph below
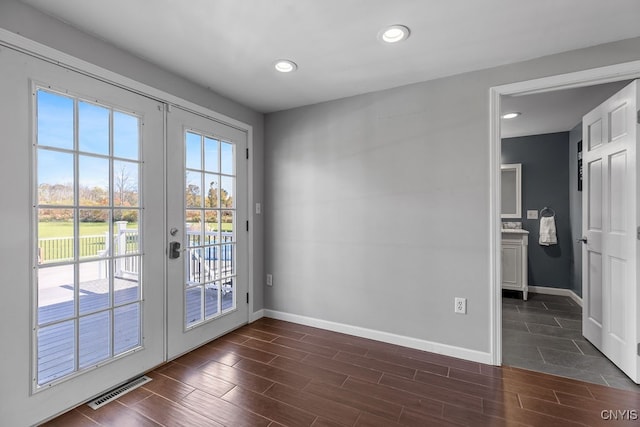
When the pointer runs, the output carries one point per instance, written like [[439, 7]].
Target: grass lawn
[[65, 229]]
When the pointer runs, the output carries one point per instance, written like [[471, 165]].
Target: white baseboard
[[556, 291], [419, 344], [256, 315]]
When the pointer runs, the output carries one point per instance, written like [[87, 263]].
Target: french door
[[610, 229], [98, 185], [207, 269]]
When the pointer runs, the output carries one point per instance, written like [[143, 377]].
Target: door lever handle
[[583, 240]]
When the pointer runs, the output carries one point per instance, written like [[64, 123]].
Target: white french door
[[207, 221], [82, 255], [610, 223]]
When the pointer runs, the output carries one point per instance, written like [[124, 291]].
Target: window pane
[[55, 120], [55, 235], [126, 284], [94, 286], [94, 231], [227, 257], [211, 185], [126, 135], [193, 151], [126, 325], [193, 192], [211, 227], [227, 192], [125, 184], [211, 299], [228, 223], [94, 181], [93, 128], [195, 266], [227, 158], [95, 338], [228, 294], [126, 238], [193, 228], [56, 351], [55, 293], [211, 155], [193, 312], [55, 178]]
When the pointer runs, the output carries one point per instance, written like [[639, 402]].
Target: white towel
[[548, 231]]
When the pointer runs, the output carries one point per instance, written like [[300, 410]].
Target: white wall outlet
[[258, 208], [460, 305], [532, 214], [269, 279]]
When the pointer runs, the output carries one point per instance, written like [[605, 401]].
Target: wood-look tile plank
[[433, 392], [134, 396], [233, 337], [548, 381], [612, 395], [516, 414], [466, 417], [309, 371], [381, 408], [408, 362], [167, 387], [369, 420], [269, 408], [117, 415], [273, 373], [242, 351], [400, 397], [257, 334], [222, 411], [378, 365], [72, 418], [328, 409], [336, 345], [492, 393], [277, 331], [306, 347], [323, 422], [206, 354], [417, 419], [440, 359], [197, 379], [582, 416], [237, 376], [274, 348], [348, 369], [169, 413]]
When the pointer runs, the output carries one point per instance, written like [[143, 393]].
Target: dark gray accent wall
[[575, 210], [545, 182]]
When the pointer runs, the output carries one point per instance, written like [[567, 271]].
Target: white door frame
[[624, 71]]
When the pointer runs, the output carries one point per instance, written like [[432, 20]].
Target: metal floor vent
[[117, 392]]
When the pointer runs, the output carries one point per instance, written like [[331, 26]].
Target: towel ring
[[547, 210]]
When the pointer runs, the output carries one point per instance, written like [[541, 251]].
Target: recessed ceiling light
[[285, 66], [394, 34], [512, 115]]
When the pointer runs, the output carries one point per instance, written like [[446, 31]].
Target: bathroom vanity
[[514, 260]]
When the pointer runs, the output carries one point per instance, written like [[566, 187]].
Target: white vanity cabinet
[[514, 260]]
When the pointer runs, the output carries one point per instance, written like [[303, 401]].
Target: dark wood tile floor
[[275, 373], [544, 334]]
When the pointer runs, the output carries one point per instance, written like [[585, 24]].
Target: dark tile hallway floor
[[544, 334]]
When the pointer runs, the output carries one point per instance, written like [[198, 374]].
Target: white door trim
[[623, 71], [33, 48]]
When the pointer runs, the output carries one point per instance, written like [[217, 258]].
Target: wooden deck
[[56, 342]]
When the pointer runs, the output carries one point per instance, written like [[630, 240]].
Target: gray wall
[[26, 21], [377, 206], [545, 182], [575, 210]]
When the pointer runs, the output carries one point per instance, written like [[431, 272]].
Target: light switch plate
[[532, 214]]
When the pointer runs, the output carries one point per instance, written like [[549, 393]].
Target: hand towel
[[548, 231]]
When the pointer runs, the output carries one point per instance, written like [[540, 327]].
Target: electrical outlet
[[269, 279], [460, 305]]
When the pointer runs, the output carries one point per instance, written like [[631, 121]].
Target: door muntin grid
[[210, 224], [87, 207]]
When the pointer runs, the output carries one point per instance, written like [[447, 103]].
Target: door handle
[[174, 250], [583, 240]]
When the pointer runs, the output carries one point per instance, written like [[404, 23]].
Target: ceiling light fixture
[[512, 115], [394, 34], [285, 66]]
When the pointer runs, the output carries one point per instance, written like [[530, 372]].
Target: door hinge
[[247, 225], [247, 151], [639, 349], [638, 233], [247, 297], [638, 116]]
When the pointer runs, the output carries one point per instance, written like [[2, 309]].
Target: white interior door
[[207, 218], [82, 257], [610, 220]]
